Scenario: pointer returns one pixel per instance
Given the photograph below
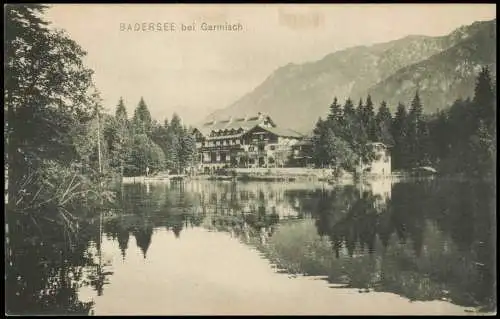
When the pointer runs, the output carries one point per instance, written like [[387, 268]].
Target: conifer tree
[[121, 112], [360, 110], [122, 148], [348, 111], [360, 133], [415, 131], [187, 152], [335, 116], [318, 147], [484, 99], [142, 119], [400, 133], [383, 122], [174, 143]]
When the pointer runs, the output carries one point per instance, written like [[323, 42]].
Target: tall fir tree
[[176, 124], [122, 149], [318, 147], [400, 133], [348, 122], [348, 110], [174, 143], [142, 119], [187, 153], [369, 119], [484, 99], [415, 131], [335, 115], [121, 111], [383, 121], [360, 110], [360, 132]]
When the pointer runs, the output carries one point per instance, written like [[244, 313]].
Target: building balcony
[[221, 147]]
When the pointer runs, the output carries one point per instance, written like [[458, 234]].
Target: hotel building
[[244, 142]]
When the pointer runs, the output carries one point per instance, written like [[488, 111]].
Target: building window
[[251, 149], [270, 160], [272, 147]]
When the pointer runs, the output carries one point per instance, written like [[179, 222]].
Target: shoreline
[[293, 175]]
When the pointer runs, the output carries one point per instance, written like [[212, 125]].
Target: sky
[[196, 72]]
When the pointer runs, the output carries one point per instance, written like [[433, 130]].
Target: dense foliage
[[139, 143], [460, 139], [52, 111], [53, 166]]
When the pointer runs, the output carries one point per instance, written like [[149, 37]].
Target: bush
[[62, 190]]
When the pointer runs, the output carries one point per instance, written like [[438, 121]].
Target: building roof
[[243, 123], [284, 132]]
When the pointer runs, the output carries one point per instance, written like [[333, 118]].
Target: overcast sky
[[194, 73]]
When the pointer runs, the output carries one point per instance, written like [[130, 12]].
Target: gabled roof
[[283, 132], [243, 123]]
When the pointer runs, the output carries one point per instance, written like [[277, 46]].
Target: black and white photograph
[[250, 159]]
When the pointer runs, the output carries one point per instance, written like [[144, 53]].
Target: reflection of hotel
[[235, 199], [244, 142]]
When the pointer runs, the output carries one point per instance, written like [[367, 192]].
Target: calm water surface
[[204, 247]]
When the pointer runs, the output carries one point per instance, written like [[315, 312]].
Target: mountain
[[296, 95], [444, 77]]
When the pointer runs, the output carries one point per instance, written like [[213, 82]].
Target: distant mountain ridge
[[442, 68]]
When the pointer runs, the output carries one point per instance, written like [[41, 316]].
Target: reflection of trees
[[142, 209], [118, 232], [435, 237], [142, 236], [47, 267], [426, 239]]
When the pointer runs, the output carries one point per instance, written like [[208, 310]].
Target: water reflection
[[423, 240], [48, 266]]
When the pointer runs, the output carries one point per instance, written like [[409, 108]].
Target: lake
[[207, 247]]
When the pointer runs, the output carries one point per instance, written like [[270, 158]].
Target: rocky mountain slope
[[443, 68], [443, 77]]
